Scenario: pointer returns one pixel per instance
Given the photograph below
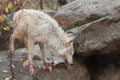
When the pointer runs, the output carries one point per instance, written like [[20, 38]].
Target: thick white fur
[[42, 29]]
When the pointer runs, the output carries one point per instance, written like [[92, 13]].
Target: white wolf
[[33, 26]]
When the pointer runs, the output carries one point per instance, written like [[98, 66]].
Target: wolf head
[[68, 51]]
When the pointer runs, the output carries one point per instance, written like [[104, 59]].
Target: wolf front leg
[[42, 48], [30, 45], [47, 64]]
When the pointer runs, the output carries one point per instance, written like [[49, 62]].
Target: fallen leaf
[[2, 18], [10, 5], [6, 28], [6, 10]]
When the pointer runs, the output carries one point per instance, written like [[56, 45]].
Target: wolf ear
[[69, 40]]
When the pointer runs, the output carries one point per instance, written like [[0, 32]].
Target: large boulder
[[103, 67], [80, 12], [60, 71], [94, 23], [98, 37]]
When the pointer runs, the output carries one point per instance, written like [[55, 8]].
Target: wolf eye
[[70, 53]]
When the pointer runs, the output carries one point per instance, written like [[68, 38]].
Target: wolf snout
[[71, 64]]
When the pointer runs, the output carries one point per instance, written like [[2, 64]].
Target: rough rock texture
[[83, 11], [101, 36], [103, 67], [60, 70], [99, 25]]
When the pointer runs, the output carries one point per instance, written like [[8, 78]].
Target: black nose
[[71, 64]]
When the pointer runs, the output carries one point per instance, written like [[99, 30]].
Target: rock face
[[99, 25], [103, 67], [101, 36], [83, 11], [60, 70]]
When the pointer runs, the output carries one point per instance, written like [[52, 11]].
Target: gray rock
[[94, 23], [100, 37], [83, 11], [103, 67], [60, 70]]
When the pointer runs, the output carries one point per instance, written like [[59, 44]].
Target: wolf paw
[[48, 65], [31, 67]]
